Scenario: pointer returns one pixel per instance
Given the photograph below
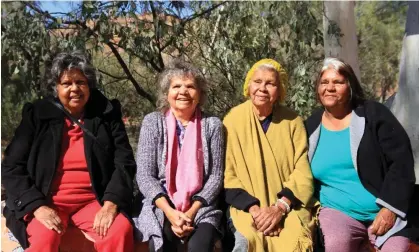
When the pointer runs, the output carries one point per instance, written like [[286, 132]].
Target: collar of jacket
[[96, 106]]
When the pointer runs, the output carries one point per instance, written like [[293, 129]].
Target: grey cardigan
[[151, 171]]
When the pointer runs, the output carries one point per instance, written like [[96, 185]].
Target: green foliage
[[228, 43], [22, 53], [130, 42], [380, 34], [11, 106]]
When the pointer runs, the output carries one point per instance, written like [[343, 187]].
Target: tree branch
[[147, 61], [204, 12], [113, 76], [124, 66], [113, 81], [183, 22], [157, 33]]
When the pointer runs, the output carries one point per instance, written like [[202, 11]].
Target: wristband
[[281, 201]]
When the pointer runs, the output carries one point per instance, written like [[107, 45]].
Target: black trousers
[[201, 240]]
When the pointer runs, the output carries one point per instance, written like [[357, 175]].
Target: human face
[[183, 95], [73, 91], [333, 89], [263, 88]]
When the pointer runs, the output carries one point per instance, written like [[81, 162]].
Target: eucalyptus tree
[[131, 41], [340, 35], [128, 42], [229, 42]]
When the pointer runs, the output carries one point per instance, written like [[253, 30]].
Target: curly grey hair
[[180, 69], [71, 60]]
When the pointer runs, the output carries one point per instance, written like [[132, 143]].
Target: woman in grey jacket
[[180, 160]]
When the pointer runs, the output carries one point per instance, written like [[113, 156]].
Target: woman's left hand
[[276, 231], [268, 218], [191, 213], [104, 218], [383, 222], [187, 229], [193, 210]]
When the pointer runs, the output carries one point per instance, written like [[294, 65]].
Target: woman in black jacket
[[70, 162], [362, 163]]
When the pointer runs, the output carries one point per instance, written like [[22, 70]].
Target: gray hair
[[357, 93], [270, 67], [71, 60], [180, 69], [267, 66]]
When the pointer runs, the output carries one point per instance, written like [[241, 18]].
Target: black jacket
[[384, 156], [32, 157]]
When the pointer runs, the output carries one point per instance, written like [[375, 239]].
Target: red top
[[72, 182]]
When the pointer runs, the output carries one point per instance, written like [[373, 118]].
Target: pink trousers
[[345, 234]]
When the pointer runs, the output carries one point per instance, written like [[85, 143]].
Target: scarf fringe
[[305, 241]]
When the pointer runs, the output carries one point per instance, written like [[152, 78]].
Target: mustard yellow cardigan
[[263, 164]]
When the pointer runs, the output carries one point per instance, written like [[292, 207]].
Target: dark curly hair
[[71, 60]]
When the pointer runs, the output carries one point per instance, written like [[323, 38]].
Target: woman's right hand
[[268, 218], [49, 218], [254, 211], [177, 218], [180, 222]]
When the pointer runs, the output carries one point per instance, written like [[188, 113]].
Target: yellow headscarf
[[283, 77]]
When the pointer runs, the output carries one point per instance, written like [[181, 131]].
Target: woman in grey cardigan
[[180, 160]]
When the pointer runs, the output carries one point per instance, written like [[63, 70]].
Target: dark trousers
[[201, 240]]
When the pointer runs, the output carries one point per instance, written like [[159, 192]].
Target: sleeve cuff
[[159, 195], [114, 199], [240, 199], [289, 195], [391, 208], [254, 203], [30, 208], [200, 199]]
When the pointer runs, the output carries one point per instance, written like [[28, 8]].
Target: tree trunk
[[339, 33], [406, 102]]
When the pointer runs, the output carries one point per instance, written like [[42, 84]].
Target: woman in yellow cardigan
[[267, 178]]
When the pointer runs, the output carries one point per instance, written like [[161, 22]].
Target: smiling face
[[263, 87], [183, 95], [333, 90], [73, 91]]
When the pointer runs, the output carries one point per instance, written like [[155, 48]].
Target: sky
[[66, 6], [57, 6]]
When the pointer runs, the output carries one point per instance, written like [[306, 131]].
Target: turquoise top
[[337, 183]]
